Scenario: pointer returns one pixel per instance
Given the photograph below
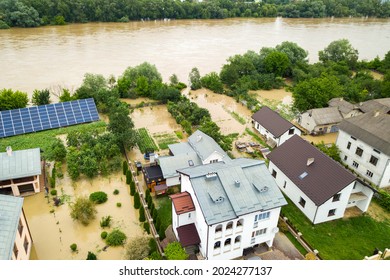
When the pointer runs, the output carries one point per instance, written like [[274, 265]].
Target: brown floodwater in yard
[[54, 232], [275, 94], [220, 108], [328, 138], [156, 119]]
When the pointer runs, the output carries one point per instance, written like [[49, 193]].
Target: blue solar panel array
[[20, 121]]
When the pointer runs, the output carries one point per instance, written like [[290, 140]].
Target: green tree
[[340, 51], [141, 214], [89, 166], [125, 167], [41, 97], [115, 238], [59, 20], [66, 96], [137, 248], [83, 210], [73, 161], [332, 150], [132, 188], [122, 127], [316, 92], [294, 52], [91, 256], [212, 82], [194, 78], [10, 99], [92, 84], [137, 201], [174, 251], [277, 63], [57, 151], [128, 177]]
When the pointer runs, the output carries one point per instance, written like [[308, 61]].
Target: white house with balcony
[[273, 127], [319, 186], [226, 207], [364, 143]]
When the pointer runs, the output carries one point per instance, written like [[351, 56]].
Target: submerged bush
[[83, 210], [104, 234], [105, 221], [116, 238], [98, 197], [73, 247]]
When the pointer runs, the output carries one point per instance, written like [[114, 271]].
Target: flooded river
[[53, 56]]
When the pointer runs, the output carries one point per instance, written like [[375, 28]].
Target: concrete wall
[[20, 240], [278, 140]]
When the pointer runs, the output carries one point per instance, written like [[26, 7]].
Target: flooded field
[[276, 94], [53, 230], [328, 138]]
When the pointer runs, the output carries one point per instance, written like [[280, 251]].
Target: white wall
[[381, 172], [213, 156], [173, 181], [208, 236], [307, 122], [19, 241], [285, 136]]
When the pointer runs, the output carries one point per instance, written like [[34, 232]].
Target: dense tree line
[[32, 13]]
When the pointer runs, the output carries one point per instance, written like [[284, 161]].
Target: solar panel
[[37, 118]]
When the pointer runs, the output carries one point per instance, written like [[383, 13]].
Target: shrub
[[125, 167], [98, 197], [83, 210], [161, 233], [105, 221], [147, 227], [132, 188], [91, 256], [115, 192], [104, 234], [129, 177], [53, 182], [149, 200], [73, 247], [53, 192], [137, 201], [152, 245], [137, 248], [282, 226], [141, 214], [147, 194], [118, 204], [116, 238], [155, 256], [174, 251]]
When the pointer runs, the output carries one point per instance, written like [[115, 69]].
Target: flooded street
[[54, 231], [59, 56]]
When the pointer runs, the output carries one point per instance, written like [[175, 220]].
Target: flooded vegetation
[[53, 230]]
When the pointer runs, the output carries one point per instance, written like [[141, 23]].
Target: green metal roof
[[10, 210], [20, 164]]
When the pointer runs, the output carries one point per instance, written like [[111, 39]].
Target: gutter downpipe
[[315, 215]]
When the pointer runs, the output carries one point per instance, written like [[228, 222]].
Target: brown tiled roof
[[272, 121], [325, 177], [182, 202], [188, 235]]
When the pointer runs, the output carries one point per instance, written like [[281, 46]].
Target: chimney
[[237, 183], [9, 151], [310, 161]]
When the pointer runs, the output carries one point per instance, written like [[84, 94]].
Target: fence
[[379, 255]]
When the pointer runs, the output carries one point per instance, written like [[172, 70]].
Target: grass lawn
[[294, 241], [164, 206], [144, 141], [165, 139], [44, 139], [342, 239]]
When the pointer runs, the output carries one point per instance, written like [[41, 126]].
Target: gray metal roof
[[10, 210], [204, 145], [381, 104], [344, 106], [180, 148], [169, 164], [372, 128], [327, 115], [226, 191], [20, 164]]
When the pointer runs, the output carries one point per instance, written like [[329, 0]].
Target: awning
[[188, 235]]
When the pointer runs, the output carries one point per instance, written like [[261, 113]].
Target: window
[[355, 164], [373, 160], [227, 242], [359, 151], [262, 216], [274, 173], [354, 138], [213, 161], [336, 197], [345, 158], [16, 251], [376, 151], [240, 222], [302, 202], [284, 185], [189, 215], [20, 227], [218, 228], [332, 212], [291, 131], [237, 239], [348, 145], [259, 232], [217, 245], [25, 244], [369, 173], [229, 225]]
